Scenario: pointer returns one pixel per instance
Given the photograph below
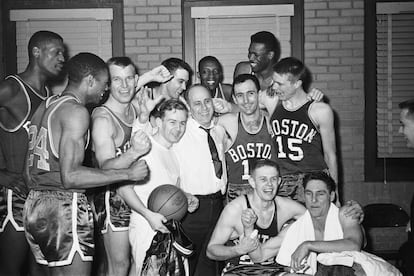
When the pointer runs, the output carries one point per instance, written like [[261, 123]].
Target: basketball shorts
[[11, 209], [58, 224], [292, 186], [111, 211], [253, 269], [235, 190]]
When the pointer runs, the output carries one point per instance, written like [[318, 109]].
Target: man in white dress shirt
[[200, 177], [171, 122], [197, 169]]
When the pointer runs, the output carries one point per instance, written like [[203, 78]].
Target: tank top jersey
[[247, 148], [14, 141], [263, 234], [297, 140], [219, 92], [43, 157], [126, 130]]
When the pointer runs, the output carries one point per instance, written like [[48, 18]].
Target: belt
[[217, 195]]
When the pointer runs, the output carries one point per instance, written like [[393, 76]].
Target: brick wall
[[334, 51], [152, 31], [334, 41]]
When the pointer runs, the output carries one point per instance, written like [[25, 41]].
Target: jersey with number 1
[[297, 140], [43, 156], [246, 148]]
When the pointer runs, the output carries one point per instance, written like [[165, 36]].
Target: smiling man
[[20, 95], [173, 88], [302, 129], [58, 219], [249, 133], [200, 154], [112, 146], [210, 72], [260, 211], [170, 120], [264, 52]]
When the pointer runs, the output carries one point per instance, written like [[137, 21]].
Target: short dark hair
[[40, 38], [172, 64], [168, 105], [409, 105], [260, 163], [121, 61], [295, 69], [269, 40], [84, 64], [212, 59], [322, 176], [243, 78]]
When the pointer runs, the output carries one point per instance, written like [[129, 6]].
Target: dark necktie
[[214, 153]]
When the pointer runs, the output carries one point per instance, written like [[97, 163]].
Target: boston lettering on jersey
[[294, 129], [250, 150], [297, 140]]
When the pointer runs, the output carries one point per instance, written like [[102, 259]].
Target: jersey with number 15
[[297, 140], [43, 156]]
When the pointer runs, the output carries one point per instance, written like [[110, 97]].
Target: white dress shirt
[[164, 169], [197, 172]]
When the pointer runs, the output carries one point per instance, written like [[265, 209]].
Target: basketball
[[168, 200]]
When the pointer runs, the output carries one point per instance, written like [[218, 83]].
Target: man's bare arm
[[156, 220], [73, 120], [323, 116], [352, 241], [104, 145], [226, 225], [287, 209]]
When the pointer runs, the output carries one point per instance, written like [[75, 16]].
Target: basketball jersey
[[14, 141], [297, 140], [126, 130], [263, 235], [246, 148], [219, 92], [43, 157]]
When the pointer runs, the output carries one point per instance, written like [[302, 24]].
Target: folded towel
[[372, 265], [302, 230]]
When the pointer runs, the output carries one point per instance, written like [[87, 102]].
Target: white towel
[[302, 230], [371, 264]]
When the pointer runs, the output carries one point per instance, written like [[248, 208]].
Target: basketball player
[[210, 73], [173, 88], [171, 121], [57, 218], [112, 126], [264, 52], [250, 135], [232, 241], [303, 130], [250, 229], [20, 95]]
